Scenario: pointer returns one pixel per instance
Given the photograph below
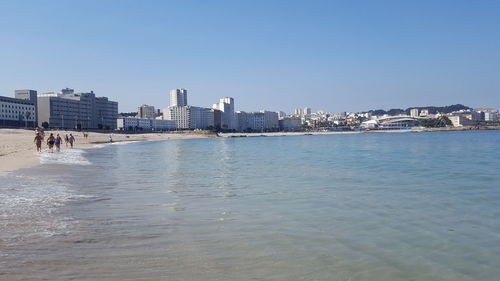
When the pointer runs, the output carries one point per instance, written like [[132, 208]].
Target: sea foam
[[65, 156]]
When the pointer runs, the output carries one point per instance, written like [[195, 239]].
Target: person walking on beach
[[38, 141], [58, 142], [66, 139], [71, 140], [50, 142]]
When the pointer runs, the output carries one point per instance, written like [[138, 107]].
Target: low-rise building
[[16, 112], [460, 121], [138, 124], [399, 123]]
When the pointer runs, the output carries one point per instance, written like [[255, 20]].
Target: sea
[[374, 207]]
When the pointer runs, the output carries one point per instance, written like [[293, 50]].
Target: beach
[[17, 149], [365, 207]]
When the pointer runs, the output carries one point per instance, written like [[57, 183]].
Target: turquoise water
[[399, 206]]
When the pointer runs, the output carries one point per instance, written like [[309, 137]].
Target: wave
[[66, 156], [28, 209]]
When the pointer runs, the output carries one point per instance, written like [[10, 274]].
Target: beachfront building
[[190, 117], [228, 118], [290, 123], [257, 121], [178, 97], [146, 112], [70, 110], [138, 124], [18, 112], [30, 95], [461, 120]]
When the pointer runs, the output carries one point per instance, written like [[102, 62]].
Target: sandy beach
[[17, 149]]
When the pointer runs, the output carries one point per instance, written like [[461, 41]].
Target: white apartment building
[[228, 118], [136, 124], [414, 113], [257, 121], [460, 121], [307, 111], [190, 117], [178, 97]]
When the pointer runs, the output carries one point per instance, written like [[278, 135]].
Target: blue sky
[[277, 55]]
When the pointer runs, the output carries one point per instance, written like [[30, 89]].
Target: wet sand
[[17, 149]]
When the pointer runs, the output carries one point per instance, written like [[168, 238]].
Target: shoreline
[[416, 130], [18, 151]]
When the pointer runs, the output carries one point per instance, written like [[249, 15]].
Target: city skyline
[[329, 56]]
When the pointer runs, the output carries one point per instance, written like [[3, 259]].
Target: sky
[[277, 55]]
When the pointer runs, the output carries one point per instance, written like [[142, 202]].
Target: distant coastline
[[304, 133]]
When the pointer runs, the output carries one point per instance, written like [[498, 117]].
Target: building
[[190, 117], [178, 97], [271, 120], [228, 118], [460, 121], [370, 124], [146, 112], [30, 95], [15, 112], [138, 124], [71, 110], [414, 112], [307, 111], [290, 123], [257, 121], [399, 123], [490, 116], [186, 116], [217, 119], [424, 112]]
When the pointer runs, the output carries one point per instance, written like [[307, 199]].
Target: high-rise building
[[178, 97], [146, 112], [228, 118], [307, 111], [190, 117]]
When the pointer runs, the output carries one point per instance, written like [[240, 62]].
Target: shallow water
[[413, 206]]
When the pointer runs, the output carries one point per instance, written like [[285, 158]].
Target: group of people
[[52, 141]]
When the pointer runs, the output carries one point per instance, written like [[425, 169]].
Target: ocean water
[[409, 206]]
